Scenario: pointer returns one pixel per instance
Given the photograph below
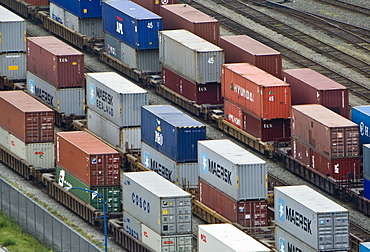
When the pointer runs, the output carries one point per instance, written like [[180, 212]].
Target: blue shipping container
[[365, 247], [81, 8], [367, 188], [171, 132], [131, 24], [361, 116]]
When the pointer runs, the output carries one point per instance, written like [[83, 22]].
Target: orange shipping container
[[256, 91]]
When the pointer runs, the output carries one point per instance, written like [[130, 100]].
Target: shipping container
[[317, 220], [88, 159], [112, 46], [247, 213], [131, 24], [125, 138], [91, 26], [131, 225], [227, 238], [26, 118], [366, 161], [232, 169], [361, 116], [300, 152], [367, 188], [286, 242], [143, 60], [157, 203], [310, 87], [110, 194], [81, 8], [37, 2], [154, 5], [66, 100], [200, 60], [55, 62], [184, 16], [115, 98], [244, 49], [365, 247], [13, 32], [185, 175], [171, 132], [13, 65], [325, 131], [57, 13], [256, 91], [209, 93]]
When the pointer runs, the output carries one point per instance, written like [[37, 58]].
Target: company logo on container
[[294, 217], [119, 25], [281, 210], [364, 130], [158, 136], [248, 95], [140, 202], [281, 245], [32, 87], [209, 166], [92, 94], [111, 49], [157, 167], [147, 160], [204, 163]]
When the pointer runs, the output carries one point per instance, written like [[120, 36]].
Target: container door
[[352, 142], [337, 142]]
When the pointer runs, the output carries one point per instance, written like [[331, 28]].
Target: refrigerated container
[[361, 116], [92, 27], [81, 8], [13, 65], [285, 241], [131, 225], [13, 32]]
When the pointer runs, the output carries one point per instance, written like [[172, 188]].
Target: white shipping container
[[13, 32], [13, 65], [91, 27], [131, 225], [142, 60], [57, 13], [286, 242]]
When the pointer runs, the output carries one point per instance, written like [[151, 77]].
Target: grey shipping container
[[13, 32], [157, 203], [66, 100], [286, 242], [317, 220], [116, 98], [91, 26], [131, 225], [366, 160], [200, 61], [232, 169], [185, 175], [13, 65]]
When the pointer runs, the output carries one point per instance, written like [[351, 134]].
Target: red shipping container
[[154, 5], [244, 49], [256, 91], [36, 2], [55, 62], [26, 118], [247, 213], [88, 159], [310, 87], [300, 152], [183, 16], [209, 93]]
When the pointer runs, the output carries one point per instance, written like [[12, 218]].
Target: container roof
[[189, 13], [8, 16], [250, 45], [132, 9], [24, 102], [54, 45]]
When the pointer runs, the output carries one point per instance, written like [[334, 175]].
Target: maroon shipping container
[[183, 16], [88, 159], [310, 87], [256, 91], [325, 131], [209, 93], [55, 62], [154, 5], [36, 2], [241, 49], [300, 152], [26, 118]]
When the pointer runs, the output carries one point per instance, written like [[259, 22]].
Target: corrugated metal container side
[[184, 16], [209, 93], [200, 60], [232, 169], [26, 118], [110, 194], [166, 242], [244, 49], [310, 87], [154, 5], [247, 213], [132, 24], [157, 203], [112, 46], [57, 13], [88, 159], [55, 62], [91, 27], [325, 131], [13, 65], [127, 138], [142, 60], [131, 225], [300, 152], [322, 223], [81, 8], [13, 32], [286, 242], [171, 132], [115, 98], [367, 188], [361, 116], [366, 160], [37, 2], [185, 175], [67, 100], [256, 91], [365, 247], [226, 238]]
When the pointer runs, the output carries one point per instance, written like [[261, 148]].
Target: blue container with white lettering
[[367, 188], [171, 132], [365, 247], [131, 24], [81, 8], [361, 116]]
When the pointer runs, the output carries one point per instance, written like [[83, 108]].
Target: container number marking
[[211, 60], [150, 25]]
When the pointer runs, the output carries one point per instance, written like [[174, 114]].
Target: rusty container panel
[[154, 5], [26, 118], [301, 152], [310, 87], [256, 91], [183, 16], [55, 62], [88, 159], [325, 131], [248, 213], [241, 49]]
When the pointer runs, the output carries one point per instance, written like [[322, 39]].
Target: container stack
[[131, 34], [27, 128], [114, 109], [308, 221], [84, 161], [157, 212], [233, 182], [325, 141], [12, 45], [169, 144], [256, 101]]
